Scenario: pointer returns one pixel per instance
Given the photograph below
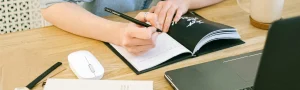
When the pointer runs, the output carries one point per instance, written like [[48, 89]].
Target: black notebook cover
[[207, 48]]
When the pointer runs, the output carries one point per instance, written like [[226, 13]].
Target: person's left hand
[[166, 11]]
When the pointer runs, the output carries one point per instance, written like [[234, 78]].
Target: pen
[[129, 18], [39, 78]]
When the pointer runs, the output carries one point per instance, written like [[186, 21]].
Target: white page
[[228, 35], [77, 84], [166, 48]]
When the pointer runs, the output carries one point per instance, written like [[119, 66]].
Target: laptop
[[276, 67]]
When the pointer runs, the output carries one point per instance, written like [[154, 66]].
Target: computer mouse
[[85, 65]]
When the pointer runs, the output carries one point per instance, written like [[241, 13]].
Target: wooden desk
[[40, 48]]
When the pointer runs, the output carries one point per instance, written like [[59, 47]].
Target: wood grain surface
[[24, 55]]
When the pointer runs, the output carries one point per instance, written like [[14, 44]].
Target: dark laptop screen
[[280, 64]]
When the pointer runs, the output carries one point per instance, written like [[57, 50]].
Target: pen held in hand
[[129, 18]]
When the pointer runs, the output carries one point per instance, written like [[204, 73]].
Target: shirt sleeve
[[47, 3]]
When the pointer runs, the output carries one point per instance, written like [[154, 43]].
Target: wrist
[[119, 32]]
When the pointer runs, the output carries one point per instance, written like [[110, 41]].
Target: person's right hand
[[137, 39]]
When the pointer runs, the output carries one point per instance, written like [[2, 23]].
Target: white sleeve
[[47, 3]]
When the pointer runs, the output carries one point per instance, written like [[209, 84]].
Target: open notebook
[[190, 37]]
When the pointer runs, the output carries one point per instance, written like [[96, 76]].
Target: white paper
[[216, 35], [166, 48], [77, 84]]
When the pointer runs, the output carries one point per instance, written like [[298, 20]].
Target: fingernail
[[148, 23], [173, 22]]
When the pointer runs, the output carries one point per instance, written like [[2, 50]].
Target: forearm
[[195, 4], [72, 18]]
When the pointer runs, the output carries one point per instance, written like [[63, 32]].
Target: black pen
[[129, 18], [39, 78]]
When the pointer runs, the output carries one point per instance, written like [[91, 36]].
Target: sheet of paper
[[216, 36], [76, 84], [166, 48]]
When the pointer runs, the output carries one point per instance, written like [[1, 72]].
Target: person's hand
[[138, 39], [167, 9]]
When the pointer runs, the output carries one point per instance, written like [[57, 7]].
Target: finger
[[158, 8], [153, 20], [144, 48], [140, 32], [129, 42], [152, 9], [163, 12], [139, 49], [154, 38], [150, 17], [178, 15], [169, 17], [141, 53]]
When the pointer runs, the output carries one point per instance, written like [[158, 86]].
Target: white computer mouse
[[85, 65]]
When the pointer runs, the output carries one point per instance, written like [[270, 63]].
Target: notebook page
[[224, 35], [166, 48], [77, 84]]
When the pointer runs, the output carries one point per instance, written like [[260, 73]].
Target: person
[[87, 21]]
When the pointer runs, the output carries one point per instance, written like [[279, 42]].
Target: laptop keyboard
[[248, 88]]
